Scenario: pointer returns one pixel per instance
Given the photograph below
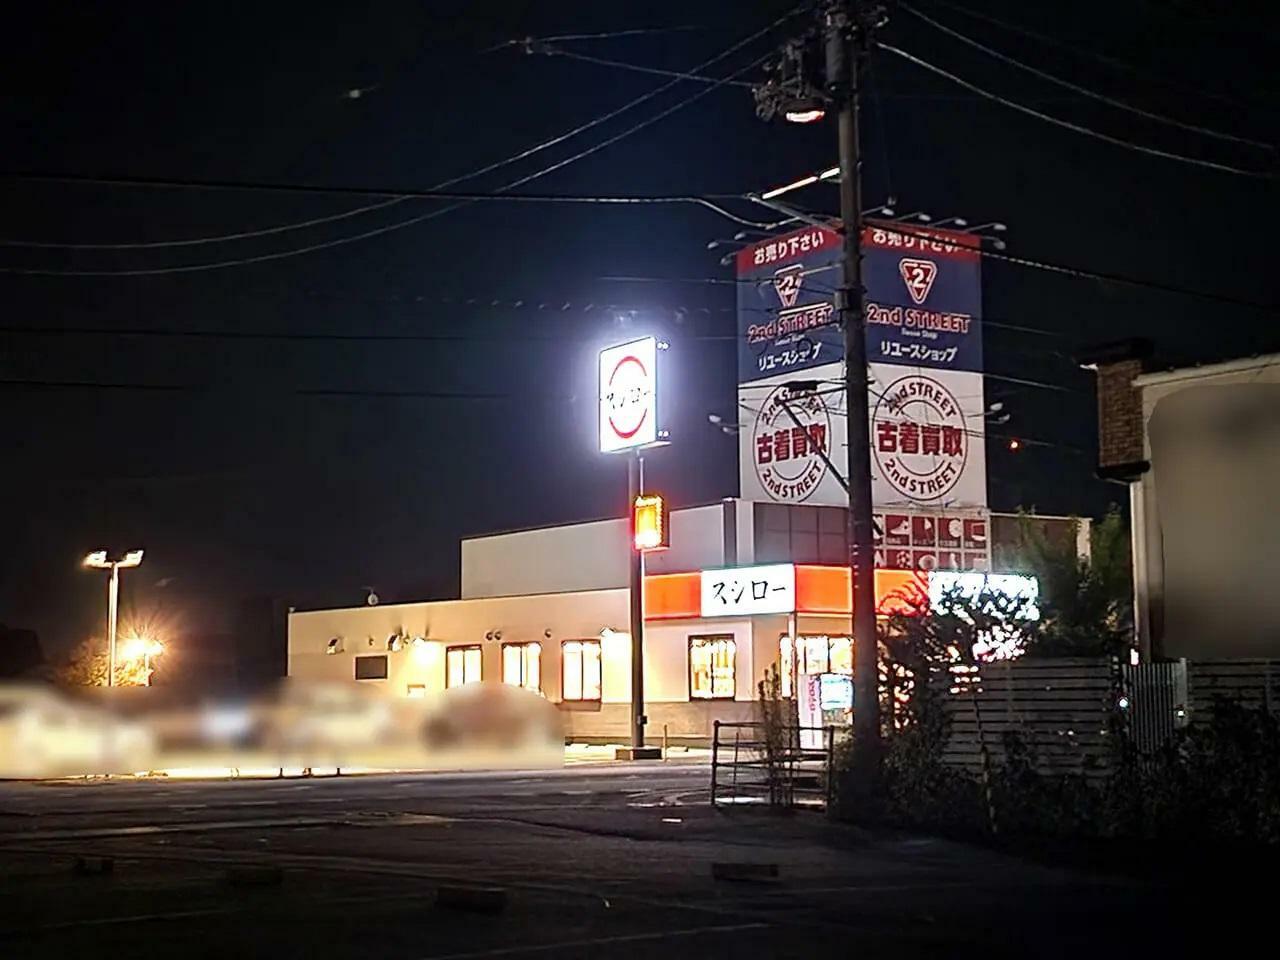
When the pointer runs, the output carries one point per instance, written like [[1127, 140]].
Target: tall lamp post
[[98, 561]]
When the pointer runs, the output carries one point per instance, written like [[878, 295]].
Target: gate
[[795, 770]]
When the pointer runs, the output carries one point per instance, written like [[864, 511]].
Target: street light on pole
[[98, 561], [845, 41]]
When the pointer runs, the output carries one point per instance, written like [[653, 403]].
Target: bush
[[1217, 781]]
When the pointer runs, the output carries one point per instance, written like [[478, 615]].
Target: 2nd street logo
[[918, 275], [919, 438], [787, 283], [788, 457]]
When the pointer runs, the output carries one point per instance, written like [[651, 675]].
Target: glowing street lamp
[[98, 561], [142, 648]]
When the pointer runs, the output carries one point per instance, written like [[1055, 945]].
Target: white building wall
[[364, 631], [585, 556], [1212, 437]]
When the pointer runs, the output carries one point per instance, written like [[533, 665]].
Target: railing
[[791, 767]]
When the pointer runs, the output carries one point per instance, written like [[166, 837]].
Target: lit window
[[522, 665], [813, 655], [711, 668], [461, 665], [371, 668], [580, 665], [788, 666]]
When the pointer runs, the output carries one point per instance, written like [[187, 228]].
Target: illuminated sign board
[[650, 523], [629, 395], [745, 591]]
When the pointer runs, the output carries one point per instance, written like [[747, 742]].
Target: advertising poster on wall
[[925, 392], [928, 441], [786, 304], [784, 434], [923, 302]]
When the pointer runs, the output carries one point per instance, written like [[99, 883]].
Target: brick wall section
[[1119, 414]]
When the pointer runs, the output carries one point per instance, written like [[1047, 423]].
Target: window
[[712, 675], [522, 665], [814, 654], [371, 668], [461, 665], [416, 691], [580, 670]]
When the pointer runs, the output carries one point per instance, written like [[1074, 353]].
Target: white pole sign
[[628, 395]]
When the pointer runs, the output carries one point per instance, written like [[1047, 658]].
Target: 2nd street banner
[[923, 301], [786, 304], [927, 438], [922, 305]]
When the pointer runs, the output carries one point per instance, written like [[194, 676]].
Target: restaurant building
[[743, 587]]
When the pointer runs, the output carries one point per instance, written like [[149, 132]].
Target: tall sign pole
[[635, 486], [845, 42], [628, 423]]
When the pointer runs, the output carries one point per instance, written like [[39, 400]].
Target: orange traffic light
[[649, 522]]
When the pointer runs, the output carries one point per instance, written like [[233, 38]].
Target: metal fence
[[790, 768]]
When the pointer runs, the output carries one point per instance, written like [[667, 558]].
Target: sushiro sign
[[924, 344], [629, 395], [744, 591]]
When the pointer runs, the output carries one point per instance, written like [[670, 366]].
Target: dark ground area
[[596, 862]]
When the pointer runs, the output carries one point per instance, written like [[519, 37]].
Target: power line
[[1083, 274], [42, 384], [198, 241], [1108, 61], [612, 34], [637, 68], [377, 231], [400, 195], [1068, 125], [1083, 91]]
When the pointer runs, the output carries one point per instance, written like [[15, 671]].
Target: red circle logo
[[919, 438], [788, 456], [628, 396]]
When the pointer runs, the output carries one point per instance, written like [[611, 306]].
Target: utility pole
[[845, 43], [801, 96]]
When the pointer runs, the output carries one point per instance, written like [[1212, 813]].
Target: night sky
[[237, 482]]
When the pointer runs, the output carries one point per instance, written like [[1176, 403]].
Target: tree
[[1086, 603], [86, 666]]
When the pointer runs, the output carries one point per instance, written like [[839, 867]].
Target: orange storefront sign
[[819, 590]]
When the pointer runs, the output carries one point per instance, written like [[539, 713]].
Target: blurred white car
[[46, 734]]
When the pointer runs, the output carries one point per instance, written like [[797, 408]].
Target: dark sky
[[238, 484]]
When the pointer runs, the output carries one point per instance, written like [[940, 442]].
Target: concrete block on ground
[[638, 753]]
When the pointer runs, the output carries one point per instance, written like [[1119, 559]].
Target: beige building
[[741, 589]]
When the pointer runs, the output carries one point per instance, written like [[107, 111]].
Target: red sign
[[924, 530], [918, 275], [975, 534]]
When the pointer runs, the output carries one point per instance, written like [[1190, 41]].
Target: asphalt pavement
[[614, 860]]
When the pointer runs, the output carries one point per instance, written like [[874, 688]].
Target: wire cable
[[43, 384], [1083, 91], [401, 224], [1074, 127], [637, 68], [1111, 62]]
